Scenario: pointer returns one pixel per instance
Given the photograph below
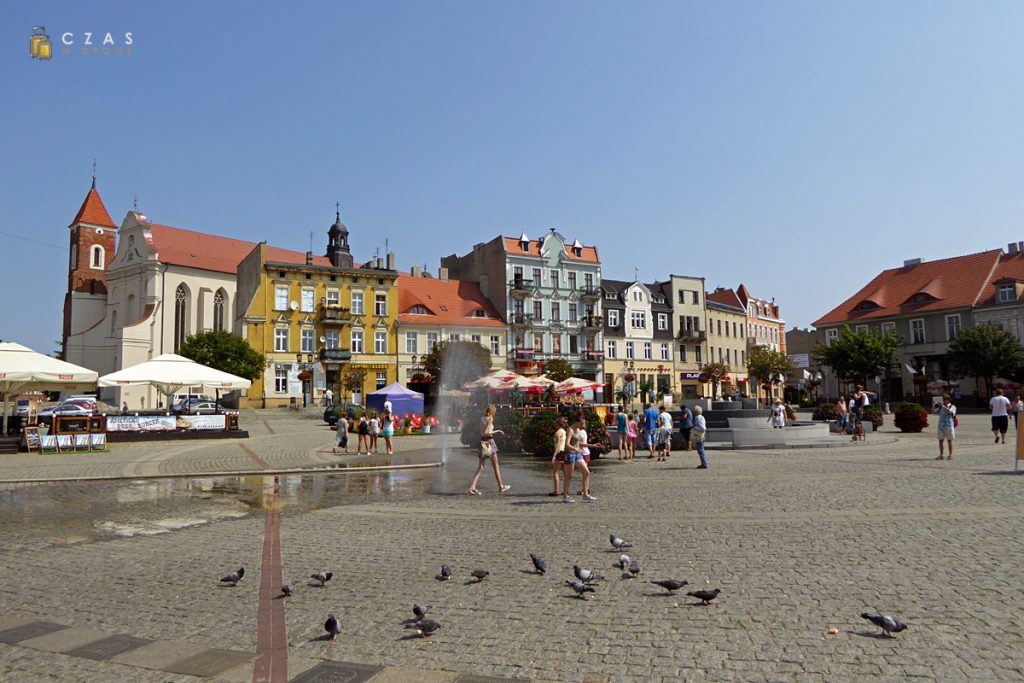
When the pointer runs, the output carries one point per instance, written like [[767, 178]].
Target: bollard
[[885, 409]]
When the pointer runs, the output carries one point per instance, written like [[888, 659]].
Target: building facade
[[765, 326], [638, 340], [549, 292], [688, 318], [727, 341]]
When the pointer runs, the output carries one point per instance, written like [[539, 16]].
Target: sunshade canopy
[[403, 400], [22, 369], [171, 372]]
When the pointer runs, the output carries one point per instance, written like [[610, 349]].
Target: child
[[374, 431], [341, 438], [858, 432], [778, 415], [632, 432]]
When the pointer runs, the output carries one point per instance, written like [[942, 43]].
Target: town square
[[569, 341]]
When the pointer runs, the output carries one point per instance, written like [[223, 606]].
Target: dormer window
[[419, 310], [479, 313], [1007, 293], [866, 305], [577, 252]]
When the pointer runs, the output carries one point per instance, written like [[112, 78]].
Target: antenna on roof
[[337, 210], [94, 174], [311, 240], [636, 274], [135, 202]]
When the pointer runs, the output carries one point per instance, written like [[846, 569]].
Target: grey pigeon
[[425, 627], [623, 562], [332, 626], [420, 612], [671, 585], [585, 575], [446, 572], [581, 588], [322, 577], [479, 574], [234, 577], [634, 569], [618, 543], [705, 596], [287, 590], [888, 624], [540, 565]]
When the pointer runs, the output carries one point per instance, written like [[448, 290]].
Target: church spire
[[92, 210]]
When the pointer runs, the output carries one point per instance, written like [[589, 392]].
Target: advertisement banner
[[203, 422], [139, 423]]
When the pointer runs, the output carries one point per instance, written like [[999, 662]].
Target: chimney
[[416, 271], [910, 263], [380, 263], [390, 262], [309, 258], [442, 274]]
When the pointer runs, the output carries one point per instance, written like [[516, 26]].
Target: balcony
[[520, 287], [525, 354], [592, 322], [331, 314], [692, 335], [335, 355], [591, 356], [521, 320], [590, 294]]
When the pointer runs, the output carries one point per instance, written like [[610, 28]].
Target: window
[[538, 343], [743, 358], [180, 316], [306, 341], [638, 319], [721, 358], [495, 345], [432, 338], [536, 277], [682, 353], [573, 315], [735, 331], [280, 380], [613, 349], [333, 338], [831, 336], [97, 258], [479, 313], [307, 300], [697, 355], [281, 298], [574, 344], [554, 279], [720, 328], [1006, 292], [917, 331], [410, 342], [572, 279], [74, 257], [218, 310], [380, 341], [556, 343], [696, 298], [728, 356], [281, 339], [588, 281], [453, 337], [113, 323], [357, 303], [475, 338], [630, 353], [888, 328], [556, 310], [952, 326], [538, 311], [357, 341], [665, 355], [647, 351], [613, 318], [380, 304], [382, 379], [517, 274], [861, 328], [333, 297], [662, 321]]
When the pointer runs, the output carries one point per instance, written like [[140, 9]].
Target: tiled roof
[[461, 298], [726, 297], [93, 211], [512, 246], [1010, 267], [950, 283], [180, 247]]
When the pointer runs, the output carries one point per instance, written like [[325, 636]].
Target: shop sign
[[140, 423], [201, 422], [689, 375]]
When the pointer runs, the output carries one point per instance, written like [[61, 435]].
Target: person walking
[[700, 428], [363, 432], [488, 451], [685, 425], [650, 423], [632, 434], [374, 427], [1018, 407], [947, 425], [574, 461], [842, 414], [862, 399], [388, 431], [778, 415], [560, 455], [329, 397], [622, 432], [1000, 407], [664, 433], [341, 437]]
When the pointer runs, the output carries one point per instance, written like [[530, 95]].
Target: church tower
[[337, 243], [92, 244]]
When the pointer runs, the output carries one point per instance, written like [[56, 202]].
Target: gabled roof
[[93, 211], [950, 283], [512, 246], [1009, 269], [449, 302], [726, 297], [180, 247]]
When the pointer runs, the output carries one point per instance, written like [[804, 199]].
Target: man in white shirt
[[1000, 407], [387, 406], [329, 397]]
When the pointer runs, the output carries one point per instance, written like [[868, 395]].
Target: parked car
[[197, 408], [332, 413], [182, 398], [73, 408]]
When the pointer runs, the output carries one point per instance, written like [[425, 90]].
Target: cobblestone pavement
[[799, 541]]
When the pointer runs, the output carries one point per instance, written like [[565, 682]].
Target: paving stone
[[27, 631], [65, 640], [338, 672]]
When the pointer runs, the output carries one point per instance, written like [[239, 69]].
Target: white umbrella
[[576, 385], [22, 369], [494, 380], [171, 372]]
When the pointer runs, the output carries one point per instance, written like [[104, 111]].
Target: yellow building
[[322, 321], [727, 342]]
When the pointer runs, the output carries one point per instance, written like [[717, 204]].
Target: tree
[[352, 380], [456, 363], [855, 356], [557, 369], [226, 352], [624, 396], [769, 367], [714, 372], [646, 388], [985, 351]]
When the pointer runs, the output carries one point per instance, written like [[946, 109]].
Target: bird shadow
[[574, 597], [316, 584], [281, 597], [319, 639], [999, 473], [660, 595], [411, 620], [532, 573], [441, 578], [472, 582], [699, 604], [227, 585], [871, 634], [625, 576], [529, 503]]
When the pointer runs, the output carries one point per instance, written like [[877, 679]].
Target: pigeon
[[322, 577], [618, 543], [623, 562], [332, 626], [234, 577], [888, 624], [634, 569], [287, 590], [479, 574], [585, 575], [540, 565], [671, 585], [446, 573], [581, 588], [425, 627], [705, 596], [420, 612]]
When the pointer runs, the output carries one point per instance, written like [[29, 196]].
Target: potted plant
[[910, 417], [426, 424], [406, 423]]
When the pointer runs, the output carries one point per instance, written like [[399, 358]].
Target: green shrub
[[539, 433], [597, 434], [873, 414], [511, 422], [910, 417], [826, 411]]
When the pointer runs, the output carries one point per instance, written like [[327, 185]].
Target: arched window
[[97, 257], [113, 323], [130, 313], [74, 256], [218, 310], [180, 316]]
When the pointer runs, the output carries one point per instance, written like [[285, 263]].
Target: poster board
[[71, 424], [81, 442], [65, 442], [98, 442], [32, 439], [48, 443]]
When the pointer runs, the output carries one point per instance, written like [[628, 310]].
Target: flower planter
[[426, 428]]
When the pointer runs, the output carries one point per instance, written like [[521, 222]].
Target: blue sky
[[797, 147]]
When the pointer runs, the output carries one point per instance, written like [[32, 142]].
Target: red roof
[[512, 245], [461, 298], [1009, 269], [93, 211], [945, 284], [180, 247], [727, 297]]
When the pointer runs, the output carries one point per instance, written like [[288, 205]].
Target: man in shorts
[[620, 429], [947, 423], [650, 428], [686, 425], [1000, 407]]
